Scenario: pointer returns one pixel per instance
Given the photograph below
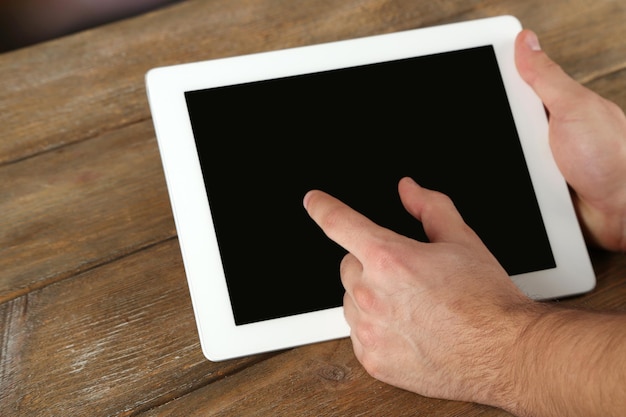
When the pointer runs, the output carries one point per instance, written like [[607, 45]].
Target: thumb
[[558, 91], [438, 215]]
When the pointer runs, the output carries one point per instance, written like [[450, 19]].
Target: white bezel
[[220, 337]]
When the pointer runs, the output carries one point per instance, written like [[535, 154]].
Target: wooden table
[[95, 314]]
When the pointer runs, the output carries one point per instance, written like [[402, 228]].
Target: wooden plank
[[79, 206], [112, 341], [323, 379], [89, 83]]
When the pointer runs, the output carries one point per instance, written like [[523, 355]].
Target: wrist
[[512, 393], [568, 362]]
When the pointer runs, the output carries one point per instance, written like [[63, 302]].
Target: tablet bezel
[[220, 337]]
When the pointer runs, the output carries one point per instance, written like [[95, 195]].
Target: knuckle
[[365, 299], [366, 335], [439, 200], [381, 255], [347, 263]]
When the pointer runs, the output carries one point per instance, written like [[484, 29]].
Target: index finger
[[341, 223]]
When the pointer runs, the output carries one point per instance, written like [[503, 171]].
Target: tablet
[[242, 139]]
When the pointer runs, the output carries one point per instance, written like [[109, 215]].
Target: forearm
[[571, 363]]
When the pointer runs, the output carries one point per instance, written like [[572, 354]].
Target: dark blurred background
[[27, 22]]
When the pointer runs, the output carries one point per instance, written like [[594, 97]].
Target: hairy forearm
[[571, 363]]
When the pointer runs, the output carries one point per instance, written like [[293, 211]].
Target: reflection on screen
[[442, 119]]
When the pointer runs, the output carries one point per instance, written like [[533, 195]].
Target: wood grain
[[96, 81], [116, 339], [95, 315], [317, 380], [79, 206]]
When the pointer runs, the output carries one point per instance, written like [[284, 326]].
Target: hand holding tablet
[[443, 105]]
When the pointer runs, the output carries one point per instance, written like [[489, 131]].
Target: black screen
[[442, 119]]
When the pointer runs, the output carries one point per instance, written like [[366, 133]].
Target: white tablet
[[242, 140]]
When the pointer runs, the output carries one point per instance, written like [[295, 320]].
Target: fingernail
[[305, 200], [533, 42]]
